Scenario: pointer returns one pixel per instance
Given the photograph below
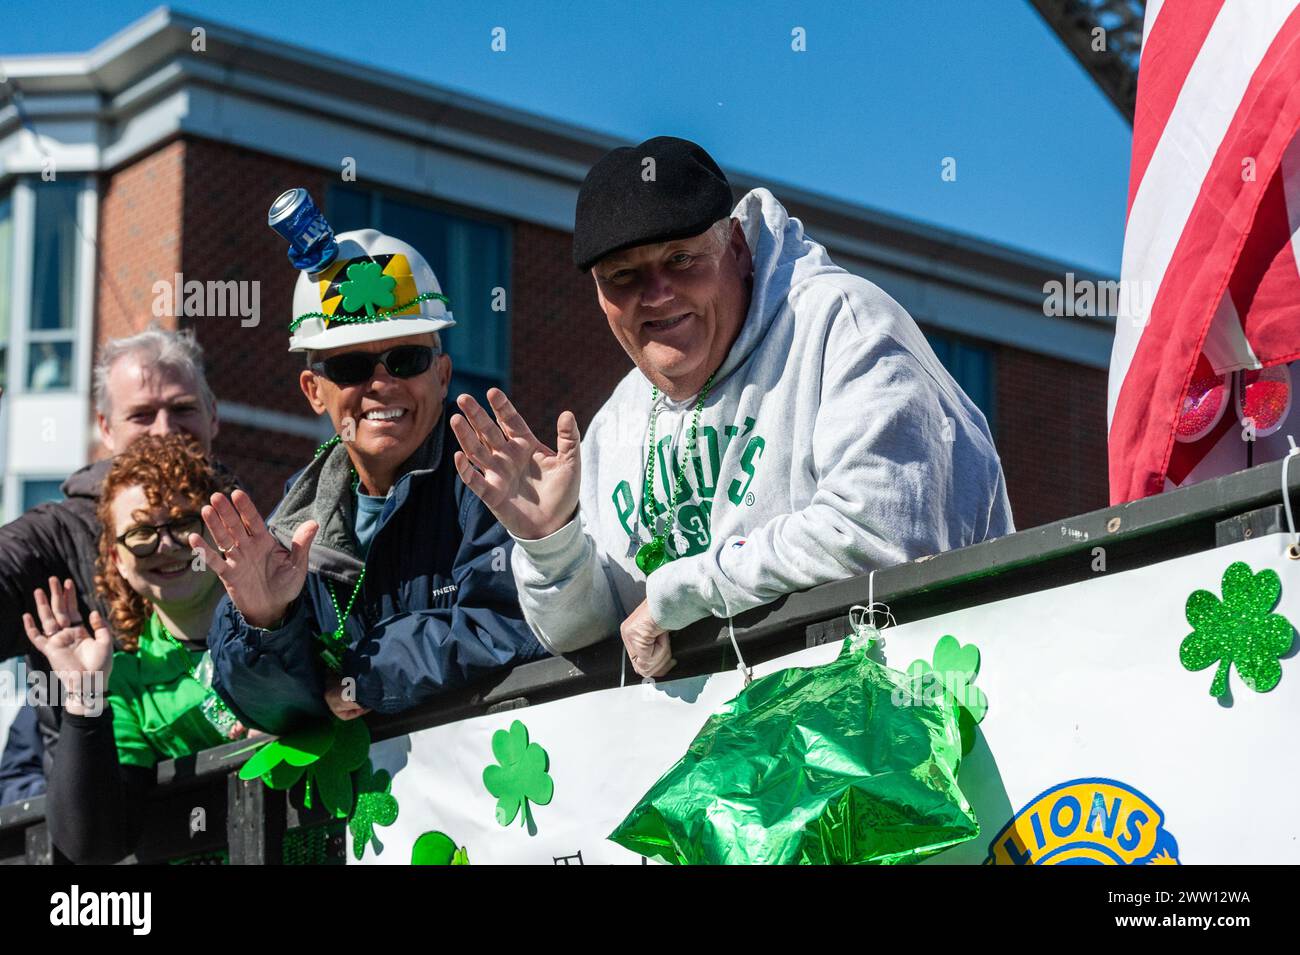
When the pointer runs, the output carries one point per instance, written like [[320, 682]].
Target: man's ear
[[444, 374], [739, 247], [311, 388], [105, 437]]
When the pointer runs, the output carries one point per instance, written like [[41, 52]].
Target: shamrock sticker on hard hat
[[366, 287]]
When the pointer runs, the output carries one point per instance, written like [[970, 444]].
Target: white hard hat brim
[[364, 332]]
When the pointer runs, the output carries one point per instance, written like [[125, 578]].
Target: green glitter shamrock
[[521, 776], [954, 668], [1239, 630], [375, 806], [326, 753], [438, 848], [366, 287]]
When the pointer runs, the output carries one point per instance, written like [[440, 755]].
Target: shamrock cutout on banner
[[1240, 630], [520, 776], [438, 848], [326, 754], [954, 668], [366, 287], [376, 806]]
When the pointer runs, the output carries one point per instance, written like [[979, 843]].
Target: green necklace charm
[[335, 643], [653, 554], [213, 707]]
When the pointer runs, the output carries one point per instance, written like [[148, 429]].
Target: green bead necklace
[[335, 642], [653, 554]]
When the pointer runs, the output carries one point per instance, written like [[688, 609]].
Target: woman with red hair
[[159, 702]]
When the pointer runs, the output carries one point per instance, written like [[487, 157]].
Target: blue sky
[[884, 92]]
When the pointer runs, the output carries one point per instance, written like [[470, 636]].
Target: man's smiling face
[[389, 416], [676, 307]]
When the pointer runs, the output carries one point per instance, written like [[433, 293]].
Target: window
[[51, 326], [39, 490], [470, 258], [6, 280], [971, 364]]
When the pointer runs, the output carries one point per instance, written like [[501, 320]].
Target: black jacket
[[59, 539]]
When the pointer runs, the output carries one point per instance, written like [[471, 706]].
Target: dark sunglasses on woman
[[143, 539], [355, 367]]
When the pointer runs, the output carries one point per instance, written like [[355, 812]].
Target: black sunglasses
[[354, 367], [143, 539]]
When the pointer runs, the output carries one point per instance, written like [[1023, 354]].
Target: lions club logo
[[1086, 822]]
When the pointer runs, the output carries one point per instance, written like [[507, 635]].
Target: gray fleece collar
[[323, 493]]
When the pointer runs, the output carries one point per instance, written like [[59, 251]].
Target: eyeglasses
[[143, 539], [354, 367]]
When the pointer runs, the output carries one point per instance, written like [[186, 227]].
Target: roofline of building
[[559, 149]]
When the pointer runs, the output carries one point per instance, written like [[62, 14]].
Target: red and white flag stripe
[[1210, 266]]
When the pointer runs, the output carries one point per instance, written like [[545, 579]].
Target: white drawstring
[[1294, 550], [866, 630], [745, 671]]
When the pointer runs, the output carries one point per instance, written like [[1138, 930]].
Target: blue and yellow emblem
[[1086, 822]]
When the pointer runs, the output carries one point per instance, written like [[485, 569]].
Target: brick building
[[156, 155]]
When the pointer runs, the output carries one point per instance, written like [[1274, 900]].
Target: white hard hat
[[376, 288]]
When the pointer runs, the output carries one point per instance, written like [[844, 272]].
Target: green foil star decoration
[[438, 848], [520, 775], [954, 668], [376, 806], [367, 287], [326, 754], [1240, 630]]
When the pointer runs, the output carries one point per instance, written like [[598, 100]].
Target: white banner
[[1099, 745]]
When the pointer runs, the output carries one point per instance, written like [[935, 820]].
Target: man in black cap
[[786, 423]]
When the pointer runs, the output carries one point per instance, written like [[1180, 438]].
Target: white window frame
[[20, 336]]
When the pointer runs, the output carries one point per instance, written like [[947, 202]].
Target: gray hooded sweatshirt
[[832, 442]]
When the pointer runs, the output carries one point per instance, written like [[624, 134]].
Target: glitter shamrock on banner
[[1240, 630], [438, 848], [519, 775], [954, 668], [325, 753], [376, 806], [367, 287]]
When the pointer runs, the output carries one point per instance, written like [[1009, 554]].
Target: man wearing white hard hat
[[380, 580]]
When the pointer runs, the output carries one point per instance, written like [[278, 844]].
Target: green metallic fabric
[[838, 763]]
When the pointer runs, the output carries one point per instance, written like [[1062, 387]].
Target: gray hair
[[721, 231], [314, 356], [177, 352]]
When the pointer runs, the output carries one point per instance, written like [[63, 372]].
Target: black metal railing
[[202, 811]]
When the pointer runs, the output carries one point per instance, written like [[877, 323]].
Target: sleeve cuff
[[556, 555], [678, 594], [272, 639], [83, 721]]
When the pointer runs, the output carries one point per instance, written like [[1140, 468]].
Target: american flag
[[1210, 309]]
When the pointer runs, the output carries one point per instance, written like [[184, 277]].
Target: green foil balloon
[[838, 763]]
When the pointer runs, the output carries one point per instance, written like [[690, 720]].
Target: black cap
[[621, 205]]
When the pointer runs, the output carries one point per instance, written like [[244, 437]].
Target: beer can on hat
[[311, 239]]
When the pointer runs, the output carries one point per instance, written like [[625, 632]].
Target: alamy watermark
[[52, 689], [1088, 298], [211, 299]]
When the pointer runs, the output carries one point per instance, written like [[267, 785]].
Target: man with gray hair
[[149, 383], [786, 423]]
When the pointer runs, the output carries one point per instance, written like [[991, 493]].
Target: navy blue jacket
[[438, 607], [22, 775]]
